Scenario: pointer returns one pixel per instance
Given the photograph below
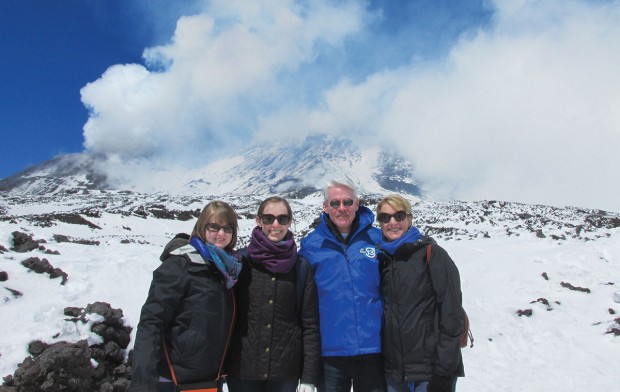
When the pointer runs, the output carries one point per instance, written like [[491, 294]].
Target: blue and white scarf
[[227, 264]]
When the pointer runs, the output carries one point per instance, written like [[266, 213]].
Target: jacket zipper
[[397, 316]]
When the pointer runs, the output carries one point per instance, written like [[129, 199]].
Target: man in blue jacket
[[343, 254]]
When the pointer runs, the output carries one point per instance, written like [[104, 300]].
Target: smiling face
[[214, 225], [393, 229], [275, 230], [336, 207], [219, 233]]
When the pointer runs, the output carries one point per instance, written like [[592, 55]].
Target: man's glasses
[[384, 217], [214, 228], [336, 203], [268, 219]]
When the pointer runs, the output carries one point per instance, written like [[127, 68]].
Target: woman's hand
[[306, 388]]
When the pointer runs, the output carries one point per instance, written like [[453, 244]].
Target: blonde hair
[[397, 202], [220, 212]]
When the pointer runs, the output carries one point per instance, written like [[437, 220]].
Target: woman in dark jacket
[[276, 344], [422, 305], [186, 321]]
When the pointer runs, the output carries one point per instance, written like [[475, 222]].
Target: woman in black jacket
[[422, 305], [276, 344], [186, 321]]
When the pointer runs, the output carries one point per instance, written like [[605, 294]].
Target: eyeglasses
[[268, 219], [214, 227], [336, 203], [399, 216]]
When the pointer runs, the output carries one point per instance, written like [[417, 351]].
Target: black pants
[[363, 372], [239, 385]]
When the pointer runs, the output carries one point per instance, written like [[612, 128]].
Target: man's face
[[341, 207]]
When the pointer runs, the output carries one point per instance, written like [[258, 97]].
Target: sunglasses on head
[[399, 216], [336, 203], [214, 227], [268, 219]]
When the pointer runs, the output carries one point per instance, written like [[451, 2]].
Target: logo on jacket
[[370, 252]]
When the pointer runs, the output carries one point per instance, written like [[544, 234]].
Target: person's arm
[[311, 334], [447, 285], [166, 292]]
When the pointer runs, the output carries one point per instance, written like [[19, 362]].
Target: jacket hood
[[179, 241]]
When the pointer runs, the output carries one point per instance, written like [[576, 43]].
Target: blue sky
[[505, 99], [51, 49]]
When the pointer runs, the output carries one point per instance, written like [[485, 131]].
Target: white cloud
[[523, 108], [346, 110], [522, 111], [207, 87]]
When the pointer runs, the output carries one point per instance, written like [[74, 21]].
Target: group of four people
[[356, 306]]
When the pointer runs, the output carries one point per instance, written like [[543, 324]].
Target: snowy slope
[[501, 249]]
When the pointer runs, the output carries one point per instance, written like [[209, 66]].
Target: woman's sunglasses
[[214, 227], [268, 219], [399, 216], [336, 203]]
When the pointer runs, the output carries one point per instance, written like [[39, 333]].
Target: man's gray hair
[[339, 184]]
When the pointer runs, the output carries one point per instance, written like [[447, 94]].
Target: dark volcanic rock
[[23, 242], [15, 293], [41, 266], [575, 288], [64, 238], [37, 347], [61, 367], [72, 218], [65, 366], [112, 328]]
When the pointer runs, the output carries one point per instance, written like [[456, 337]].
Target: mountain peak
[[69, 172], [280, 168]]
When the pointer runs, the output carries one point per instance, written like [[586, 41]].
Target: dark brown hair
[[273, 200]]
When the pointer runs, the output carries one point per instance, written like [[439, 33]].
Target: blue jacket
[[347, 281]]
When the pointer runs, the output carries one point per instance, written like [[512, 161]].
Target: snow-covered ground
[[563, 346]]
